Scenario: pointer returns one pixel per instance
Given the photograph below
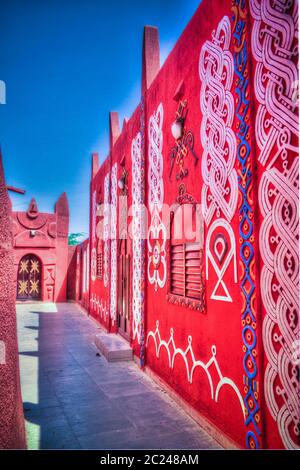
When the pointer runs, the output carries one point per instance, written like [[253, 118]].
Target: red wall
[[221, 354], [12, 432], [50, 245], [80, 266], [219, 324]]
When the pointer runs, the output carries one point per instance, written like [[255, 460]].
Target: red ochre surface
[[12, 433], [228, 357], [45, 236], [218, 337]]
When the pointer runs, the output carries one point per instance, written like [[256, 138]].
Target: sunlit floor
[[74, 399]]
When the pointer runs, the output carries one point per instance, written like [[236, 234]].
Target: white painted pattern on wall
[[275, 47], [220, 183], [99, 306], [220, 188], [84, 273], [137, 200], [106, 229], [113, 244], [191, 365], [226, 253], [157, 272], [94, 207], [93, 264], [93, 252]]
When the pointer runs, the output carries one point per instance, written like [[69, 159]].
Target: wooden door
[[123, 290], [29, 278]]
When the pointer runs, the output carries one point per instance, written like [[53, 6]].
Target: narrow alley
[[73, 398]]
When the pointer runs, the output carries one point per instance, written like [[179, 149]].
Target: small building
[[40, 243]]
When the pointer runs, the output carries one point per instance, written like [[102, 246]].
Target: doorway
[[123, 290], [29, 278]]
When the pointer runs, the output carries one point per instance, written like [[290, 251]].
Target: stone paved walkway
[[74, 399]]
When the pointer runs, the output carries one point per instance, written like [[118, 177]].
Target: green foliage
[[73, 238]]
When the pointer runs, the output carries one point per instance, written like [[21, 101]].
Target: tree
[[73, 238]]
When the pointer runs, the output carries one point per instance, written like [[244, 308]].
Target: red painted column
[[114, 134], [12, 433], [62, 214]]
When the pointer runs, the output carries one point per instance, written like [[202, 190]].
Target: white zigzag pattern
[[170, 345]]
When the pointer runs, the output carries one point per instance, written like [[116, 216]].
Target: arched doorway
[[29, 282]]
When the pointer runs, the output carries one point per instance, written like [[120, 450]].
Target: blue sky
[[66, 64]]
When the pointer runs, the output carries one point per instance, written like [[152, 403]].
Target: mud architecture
[[12, 429], [216, 321], [40, 242]]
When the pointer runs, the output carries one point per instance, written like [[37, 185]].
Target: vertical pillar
[[62, 214], [114, 133], [150, 68]]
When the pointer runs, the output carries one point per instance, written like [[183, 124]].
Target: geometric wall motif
[[143, 258], [221, 251], [106, 229], [86, 269], [94, 208], [157, 233], [113, 244], [246, 230], [137, 250], [191, 365], [274, 45], [220, 184], [219, 191], [49, 282], [99, 306], [93, 252], [93, 264]]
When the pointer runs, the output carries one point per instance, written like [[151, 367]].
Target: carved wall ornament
[[216, 382], [157, 233], [106, 229], [275, 47], [113, 244], [247, 249], [137, 247], [220, 188], [184, 143], [221, 256]]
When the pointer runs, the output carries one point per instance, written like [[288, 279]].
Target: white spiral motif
[[137, 201], [113, 244], [94, 208], [93, 264], [156, 276], [275, 48], [220, 188], [106, 230], [155, 170]]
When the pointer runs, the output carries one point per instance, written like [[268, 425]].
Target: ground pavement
[[73, 398]]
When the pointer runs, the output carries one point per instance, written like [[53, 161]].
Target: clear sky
[[66, 64]]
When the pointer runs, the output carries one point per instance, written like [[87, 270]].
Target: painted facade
[[12, 429], [226, 340], [40, 245]]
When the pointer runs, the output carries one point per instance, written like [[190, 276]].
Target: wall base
[[212, 430]]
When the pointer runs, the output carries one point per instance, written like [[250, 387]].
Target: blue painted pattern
[[245, 181]]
